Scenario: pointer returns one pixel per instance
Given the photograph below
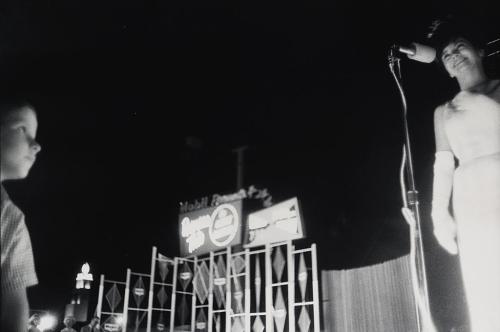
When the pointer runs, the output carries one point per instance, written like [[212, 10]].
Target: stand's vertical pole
[[151, 290], [314, 263], [193, 299], [211, 292], [125, 301], [101, 294], [174, 293], [247, 290], [269, 290], [291, 286], [228, 290]]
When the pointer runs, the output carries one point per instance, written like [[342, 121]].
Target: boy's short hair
[[71, 319], [9, 105]]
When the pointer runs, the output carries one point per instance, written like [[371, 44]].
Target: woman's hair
[[9, 106], [444, 31]]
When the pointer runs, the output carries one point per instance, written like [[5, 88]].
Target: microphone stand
[[411, 213]]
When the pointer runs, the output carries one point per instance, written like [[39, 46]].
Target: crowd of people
[[69, 322]]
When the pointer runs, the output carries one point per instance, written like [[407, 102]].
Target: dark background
[[140, 104]]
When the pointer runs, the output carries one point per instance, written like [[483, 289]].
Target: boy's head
[[34, 320], [69, 321], [18, 148], [95, 321]]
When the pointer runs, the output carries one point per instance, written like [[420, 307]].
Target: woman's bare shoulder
[[439, 110]]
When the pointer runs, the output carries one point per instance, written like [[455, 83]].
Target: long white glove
[[445, 228]]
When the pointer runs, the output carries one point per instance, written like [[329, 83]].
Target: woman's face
[[460, 56]]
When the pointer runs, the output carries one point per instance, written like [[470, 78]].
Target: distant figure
[[93, 326], [33, 323], [466, 199], [69, 321], [18, 150]]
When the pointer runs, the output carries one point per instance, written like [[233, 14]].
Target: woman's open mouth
[[459, 63]]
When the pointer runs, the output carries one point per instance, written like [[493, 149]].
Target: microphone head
[[423, 53]]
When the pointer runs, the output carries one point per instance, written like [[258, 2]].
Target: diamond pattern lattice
[[217, 323], [238, 264], [162, 296], [139, 291], [221, 267], [238, 295], [201, 321], [220, 282], [185, 276], [279, 263], [183, 308], [279, 313], [258, 326], [111, 323], [160, 324], [304, 320], [238, 325], [257, 282], [113, 297], [139, 317], [163, 267], [303, 275], [201, 282]]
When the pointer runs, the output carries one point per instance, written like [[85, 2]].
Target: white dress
[[473, 131]]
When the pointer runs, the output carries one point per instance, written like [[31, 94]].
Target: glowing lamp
[[47, 322]]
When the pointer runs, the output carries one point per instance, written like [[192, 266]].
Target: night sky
[[140, 104]]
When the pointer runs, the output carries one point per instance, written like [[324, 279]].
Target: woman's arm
[[444, 166]]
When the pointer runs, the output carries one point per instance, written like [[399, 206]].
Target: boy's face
[[68, 322], [18, 146]]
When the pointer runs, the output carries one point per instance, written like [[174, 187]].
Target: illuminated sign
[[210, 229], [280, 222], [219, 281], [205, 202], [139, 291], [112, 327]]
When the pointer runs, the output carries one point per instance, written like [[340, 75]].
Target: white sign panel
[[210, 229], [280, 222]]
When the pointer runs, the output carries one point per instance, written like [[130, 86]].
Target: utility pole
[[240, 160]]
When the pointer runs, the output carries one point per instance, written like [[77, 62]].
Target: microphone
[[418, 52]]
